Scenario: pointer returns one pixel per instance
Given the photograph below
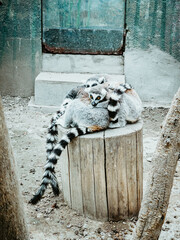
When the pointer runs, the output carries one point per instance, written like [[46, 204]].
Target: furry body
[[73, 94], [124, 106], [84, 118], [88, 111]]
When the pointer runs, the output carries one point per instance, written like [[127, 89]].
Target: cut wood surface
[[104, 173]]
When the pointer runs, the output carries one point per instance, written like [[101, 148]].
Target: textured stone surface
[[154, 23], [96, 41], [92, 26], [149, 23], [20, 46]]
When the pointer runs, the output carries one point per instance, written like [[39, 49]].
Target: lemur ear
[[101, 80]]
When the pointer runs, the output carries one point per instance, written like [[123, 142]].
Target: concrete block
[[51, 88], [96, 64]]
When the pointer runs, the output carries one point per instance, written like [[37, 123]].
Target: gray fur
[[129, 109], [96, 80], [73, 94], [78, 113]]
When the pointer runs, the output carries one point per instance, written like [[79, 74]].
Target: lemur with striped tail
[[84, 118], [93, 111], [72, 94], [124, 106]]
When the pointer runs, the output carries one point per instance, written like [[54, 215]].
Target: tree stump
[[102, 173]]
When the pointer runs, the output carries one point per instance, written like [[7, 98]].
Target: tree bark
[[12, 222], [156, 198]]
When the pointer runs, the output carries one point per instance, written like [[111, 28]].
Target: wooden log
[[12, 220], [104, 173]]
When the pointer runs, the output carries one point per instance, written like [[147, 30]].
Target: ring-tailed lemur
[[72, 94], [124, 106], [84, 118]]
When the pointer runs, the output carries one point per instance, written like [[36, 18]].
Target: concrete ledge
[[73, 63], [51, 88]]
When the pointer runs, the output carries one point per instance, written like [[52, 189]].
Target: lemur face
[[94, 81], [96, 96], [95, 99], [91, 84]]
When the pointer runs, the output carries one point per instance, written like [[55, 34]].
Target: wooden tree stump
[[102, 173]]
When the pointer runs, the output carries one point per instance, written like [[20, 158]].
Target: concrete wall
[[149, 23], [153, 73], [154, 23], [153, 48], [20, 46]]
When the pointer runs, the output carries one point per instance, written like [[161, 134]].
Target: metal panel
[[91, 26]]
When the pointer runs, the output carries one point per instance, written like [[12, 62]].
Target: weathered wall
[[154, 73], [20, 46], [154, 23], [149, 23], [152, 40]]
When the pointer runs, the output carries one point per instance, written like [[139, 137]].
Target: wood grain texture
[[87, 174], [139, 168], [75, 175], [65, 175], [122, 179], [160, 179], [105, 172], [100, 177], [130, 159], [112, 177]]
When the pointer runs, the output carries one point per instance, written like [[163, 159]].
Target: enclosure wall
[[149, 23], [156, 23], [20, 46], [153, 48]]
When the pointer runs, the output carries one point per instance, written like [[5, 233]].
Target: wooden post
[[12, 223], [160, 181], [102, 173]]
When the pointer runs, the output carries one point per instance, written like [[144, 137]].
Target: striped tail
[[49, 174], [53, 133], [114, 101], [53, 128]]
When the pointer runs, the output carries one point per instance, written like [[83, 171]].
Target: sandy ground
[[51, 218]]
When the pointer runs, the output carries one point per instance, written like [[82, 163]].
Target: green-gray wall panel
[[149, 22], [19, 65], [83, 14], [91, 26], [84, 40], [20, 46], [154, 22]]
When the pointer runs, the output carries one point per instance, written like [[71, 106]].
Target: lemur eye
[[94, 84], [91, 97], [87, 85], [98, 98]]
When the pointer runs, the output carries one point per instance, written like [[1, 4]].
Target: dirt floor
[[51, 218]]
